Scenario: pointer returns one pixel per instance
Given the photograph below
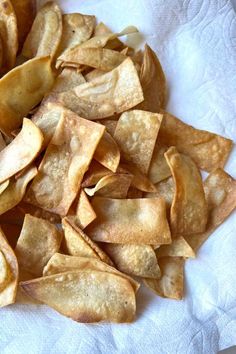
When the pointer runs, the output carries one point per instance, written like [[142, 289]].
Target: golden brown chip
[[164, 189], [83, 213], [114, 92], [8, 35], [159, 169], [4, 272], [8, 290], [107, 152], [153, 82], [188, 213], [1, 54], [101, 29], [113, 186], [67, 80], [25, 11], [28, 84], [140, 180], [134, 193], [2, 142], [136, 260], [45, 34], [79, 244], [66, 160], [110, 125], [136, 134], [33, 210], [97, 58], [220, 190], [171, 283], [95, 172], [60, 263], [208, 150], [13, 216], [87, 296], [178, 248], [77, 28], [21, 296], [4, 186], [38, 241], [140, 221], [12, 233], [21, 151], [93, 74], [15, 191]]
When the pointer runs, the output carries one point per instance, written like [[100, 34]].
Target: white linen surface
[[195, 41]]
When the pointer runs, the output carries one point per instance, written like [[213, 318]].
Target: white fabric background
[[195, 40]]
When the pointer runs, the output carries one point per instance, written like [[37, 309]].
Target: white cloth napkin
[[195, 41]]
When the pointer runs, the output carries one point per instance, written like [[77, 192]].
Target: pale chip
[[67, 80], [178, 248], [164, 189], [159, 169]]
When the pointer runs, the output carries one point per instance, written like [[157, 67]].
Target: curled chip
[[79, 244], [188, 212], [153, 82], [77, 28], [25, 11], [159, 169], [207, 150], [113, 186], [8, 35], [220, 190], [171, 283], [67, 80], [140, 181], [8, 272], [114, 92], [28, 82], [140, 221], [4, 186], [178, 248], [98, 58], [60, 263], [136, 134], [95, 172], [93, 74], [133, 259], [107, 152], [45, 34], [21, 151], [64, 164], [82, 212], [15, 190], [94, 296], [38, 241], [164, 189]]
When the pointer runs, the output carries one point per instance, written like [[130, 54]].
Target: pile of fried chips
[[98, 183]]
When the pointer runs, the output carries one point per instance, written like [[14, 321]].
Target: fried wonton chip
[[21, 151], [66, 160], [178, 248], [101, 29], [220, 190], [110, 125], [4, 186], [136, 260], [12, 233], [38, 241], [114, 92], [159, 169], [15, 191], [93, 74], [8, 35], [136, 134], [86, 296], [208, 150], [113, 186], [45, 34], [60, 263], [67, 80], [2, 142], [107, 152], [21, 296], [33, 210], [25, 11], [28, 82], [77, 28], [140, 180], [140, 221], [97, 58], [83, 214], [134, 193], [8, 286], [153, 82], [164, 189], [95, 172], [79, 244], [171, 283], [188, 213]]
